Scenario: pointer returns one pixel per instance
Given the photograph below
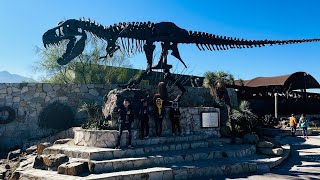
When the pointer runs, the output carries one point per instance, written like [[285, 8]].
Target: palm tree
[[217, 82]]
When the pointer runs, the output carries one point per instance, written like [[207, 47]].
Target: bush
[[245, 121], [95, 118], [56, 115]]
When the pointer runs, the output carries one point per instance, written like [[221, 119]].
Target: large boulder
[[73, 168], [42, 146], [53, 161], [265, 144], [115, 98], [250, 138], [38, 163], [14, 154], [31, 149], [270, 151]]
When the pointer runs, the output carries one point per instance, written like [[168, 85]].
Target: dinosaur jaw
[[66, 31], [74, 48]]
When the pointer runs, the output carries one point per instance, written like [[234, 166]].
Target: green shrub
[[95, 118], [245, 121], [56, 115]]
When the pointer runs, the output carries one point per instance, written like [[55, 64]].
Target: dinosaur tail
[[213, 42]]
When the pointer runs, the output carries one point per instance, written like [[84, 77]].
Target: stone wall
[[190, 123], [28, 99]]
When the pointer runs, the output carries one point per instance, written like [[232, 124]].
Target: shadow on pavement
[[303, 155]]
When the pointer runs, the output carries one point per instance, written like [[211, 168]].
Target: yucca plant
[[244, 119]]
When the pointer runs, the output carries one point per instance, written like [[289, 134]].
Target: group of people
[[126, 118], [303, 124]]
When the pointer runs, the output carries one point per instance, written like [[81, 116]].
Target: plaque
[[210, 119]]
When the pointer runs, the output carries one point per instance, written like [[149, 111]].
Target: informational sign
[[210, 119]]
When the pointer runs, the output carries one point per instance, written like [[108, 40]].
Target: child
[[159, 113], [174, 117], [125, 120], [144, 114]]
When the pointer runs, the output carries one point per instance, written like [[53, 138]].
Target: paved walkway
[[303, 163]]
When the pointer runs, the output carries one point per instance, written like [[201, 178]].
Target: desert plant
[[244, 119], [95, 118], [56, 115], [94, 115], [217, 82], [268, 121]]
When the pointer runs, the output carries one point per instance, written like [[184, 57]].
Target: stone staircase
[[186, 157]]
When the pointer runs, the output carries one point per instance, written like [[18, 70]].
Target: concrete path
[[303, 163]]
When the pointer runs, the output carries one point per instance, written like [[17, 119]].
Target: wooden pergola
[[284, 85]]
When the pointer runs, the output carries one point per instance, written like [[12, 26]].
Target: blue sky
[[24, 22]]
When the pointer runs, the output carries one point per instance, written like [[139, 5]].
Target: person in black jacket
[[144, 114], [125, 120], [174, 117], [159, 113]]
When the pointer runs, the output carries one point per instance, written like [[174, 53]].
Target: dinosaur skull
[[66, 30]]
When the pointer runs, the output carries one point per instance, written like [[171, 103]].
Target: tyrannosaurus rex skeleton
[[141, 36]]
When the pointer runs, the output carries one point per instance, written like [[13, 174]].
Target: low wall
[[28, 99], [190, 123]]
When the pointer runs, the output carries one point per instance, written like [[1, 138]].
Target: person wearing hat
[[144, 114], [293, 125]]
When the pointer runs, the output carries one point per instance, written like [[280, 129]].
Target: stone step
[[93, 153], [178, 156], [207, 168]]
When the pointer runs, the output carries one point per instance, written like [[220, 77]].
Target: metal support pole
[[276, 105]]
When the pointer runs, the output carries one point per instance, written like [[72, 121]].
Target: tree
[[86, 68], [217, 82]]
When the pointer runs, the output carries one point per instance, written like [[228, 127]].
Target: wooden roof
[[297, 80]]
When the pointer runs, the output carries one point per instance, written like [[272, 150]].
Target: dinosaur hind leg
[[148, 49], [162, 64]]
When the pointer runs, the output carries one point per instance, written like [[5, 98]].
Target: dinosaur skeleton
[[134, 37]]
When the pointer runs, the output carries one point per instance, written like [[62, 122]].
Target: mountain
[[6, 77]]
